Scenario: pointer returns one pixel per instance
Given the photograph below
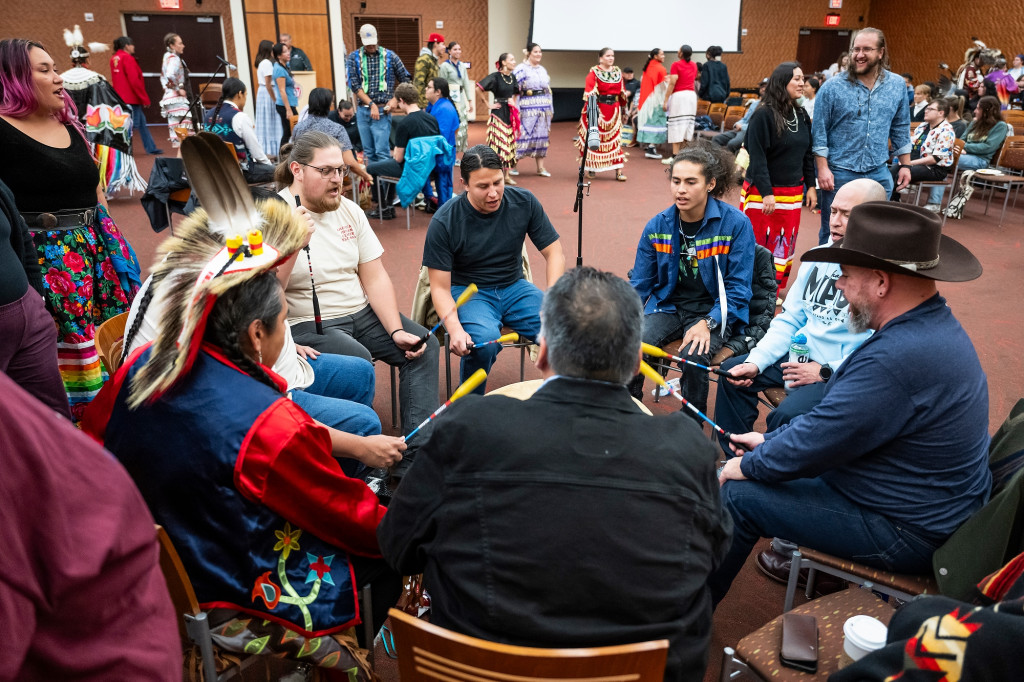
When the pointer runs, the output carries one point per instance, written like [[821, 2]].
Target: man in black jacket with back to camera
[[571, 519]]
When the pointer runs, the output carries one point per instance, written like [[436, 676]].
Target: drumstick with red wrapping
[[468, 386], [463, 297], [511, 337], [656, 352], [653, 375]]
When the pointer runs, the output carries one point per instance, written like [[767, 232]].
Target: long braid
[[216, 111], [233, 351], [140, 314]]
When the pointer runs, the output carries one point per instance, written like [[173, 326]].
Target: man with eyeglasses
[[856, 116], [340, 297], [415, 123]]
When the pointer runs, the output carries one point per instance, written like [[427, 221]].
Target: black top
[[570, 519], [714, 81], [351, 128], [498, 83], [486, 248], [416, 124], [19, 264], [779, 161], [44, 178], [632, 87], [690, 297], [959, 127]]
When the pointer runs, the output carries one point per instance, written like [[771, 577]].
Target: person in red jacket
[[126, 77]]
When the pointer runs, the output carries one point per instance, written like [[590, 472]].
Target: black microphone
[[593, 134], [226, 63]]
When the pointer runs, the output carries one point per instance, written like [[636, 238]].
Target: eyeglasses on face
[[864, 50], [329, 171]]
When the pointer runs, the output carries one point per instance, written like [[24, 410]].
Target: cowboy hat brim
[[956, 263]]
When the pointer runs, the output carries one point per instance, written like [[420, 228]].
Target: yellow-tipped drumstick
[[656, 377], [468, 386], [656, 352], [463, 297], [511, 337]]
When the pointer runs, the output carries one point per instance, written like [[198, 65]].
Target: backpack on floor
[[955, 208]]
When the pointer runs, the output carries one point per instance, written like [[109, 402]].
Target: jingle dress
[[503, 125], [610, 97], [173, 106]]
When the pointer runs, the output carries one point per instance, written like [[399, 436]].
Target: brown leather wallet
[[799, 643]]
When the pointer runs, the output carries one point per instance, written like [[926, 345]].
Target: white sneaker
[[513, 172], [668, 161], [651, 153], [934, 208]]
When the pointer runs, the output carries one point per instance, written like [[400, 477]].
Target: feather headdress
[[231, 240], [76, 42]]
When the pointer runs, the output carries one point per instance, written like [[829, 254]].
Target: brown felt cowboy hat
[[900, 238]]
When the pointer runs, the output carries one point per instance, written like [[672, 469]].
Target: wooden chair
[[110, 340], [1011, 155], [429, 652], [717, 114], [757, 654], [732, 115], [1015, 119], [749, 95], [210, 95], [702, 107]]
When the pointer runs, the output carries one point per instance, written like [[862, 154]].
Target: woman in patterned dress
[[535, 108], [89, 270], [268, 123], [604, 80], [462, 93], [174, 103], [503, 125]]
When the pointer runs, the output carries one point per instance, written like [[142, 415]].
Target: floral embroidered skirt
[[776, 231], [609, 155], [90, 274]]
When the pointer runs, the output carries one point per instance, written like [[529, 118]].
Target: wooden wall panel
[[310, 32]]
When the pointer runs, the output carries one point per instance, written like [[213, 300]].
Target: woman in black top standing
[[781, 167], [89, 271], [503, 124]]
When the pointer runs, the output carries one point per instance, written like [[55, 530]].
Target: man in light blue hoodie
[[814, 308]]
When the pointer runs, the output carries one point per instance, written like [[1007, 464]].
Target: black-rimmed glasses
[[329, 171]]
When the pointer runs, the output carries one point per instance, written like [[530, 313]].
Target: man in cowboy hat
[[895, 456]]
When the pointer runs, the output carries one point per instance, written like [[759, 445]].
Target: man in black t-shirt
[[477, 238], [417, 123]]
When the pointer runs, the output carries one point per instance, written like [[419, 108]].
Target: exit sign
[[835, 4], [832, 19], [170, 4]]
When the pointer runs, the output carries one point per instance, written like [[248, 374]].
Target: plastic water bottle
[[798, 352]]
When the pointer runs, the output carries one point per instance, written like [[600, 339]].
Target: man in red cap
[[427, 65]]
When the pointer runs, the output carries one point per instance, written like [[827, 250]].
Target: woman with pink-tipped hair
[[89, 270]]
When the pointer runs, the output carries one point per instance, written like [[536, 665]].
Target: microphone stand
[[580, 184], [194, 109]]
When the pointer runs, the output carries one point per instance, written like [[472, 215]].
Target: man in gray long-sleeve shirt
[[895, 456]]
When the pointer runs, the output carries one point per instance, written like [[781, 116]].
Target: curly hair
[[716, 163]]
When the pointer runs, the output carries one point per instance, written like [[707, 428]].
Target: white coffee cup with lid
[[862, 635]]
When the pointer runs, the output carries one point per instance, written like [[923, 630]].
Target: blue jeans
[[880, 175], [516, 306], [375, 135], [966, 162], [139, 126], [341, 396], [659, 329], [811, 513], [736, 406]]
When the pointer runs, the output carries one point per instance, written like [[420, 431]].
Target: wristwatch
[[825, 373], [712, 324]]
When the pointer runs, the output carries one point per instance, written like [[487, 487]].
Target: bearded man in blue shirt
[[856, 115]]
